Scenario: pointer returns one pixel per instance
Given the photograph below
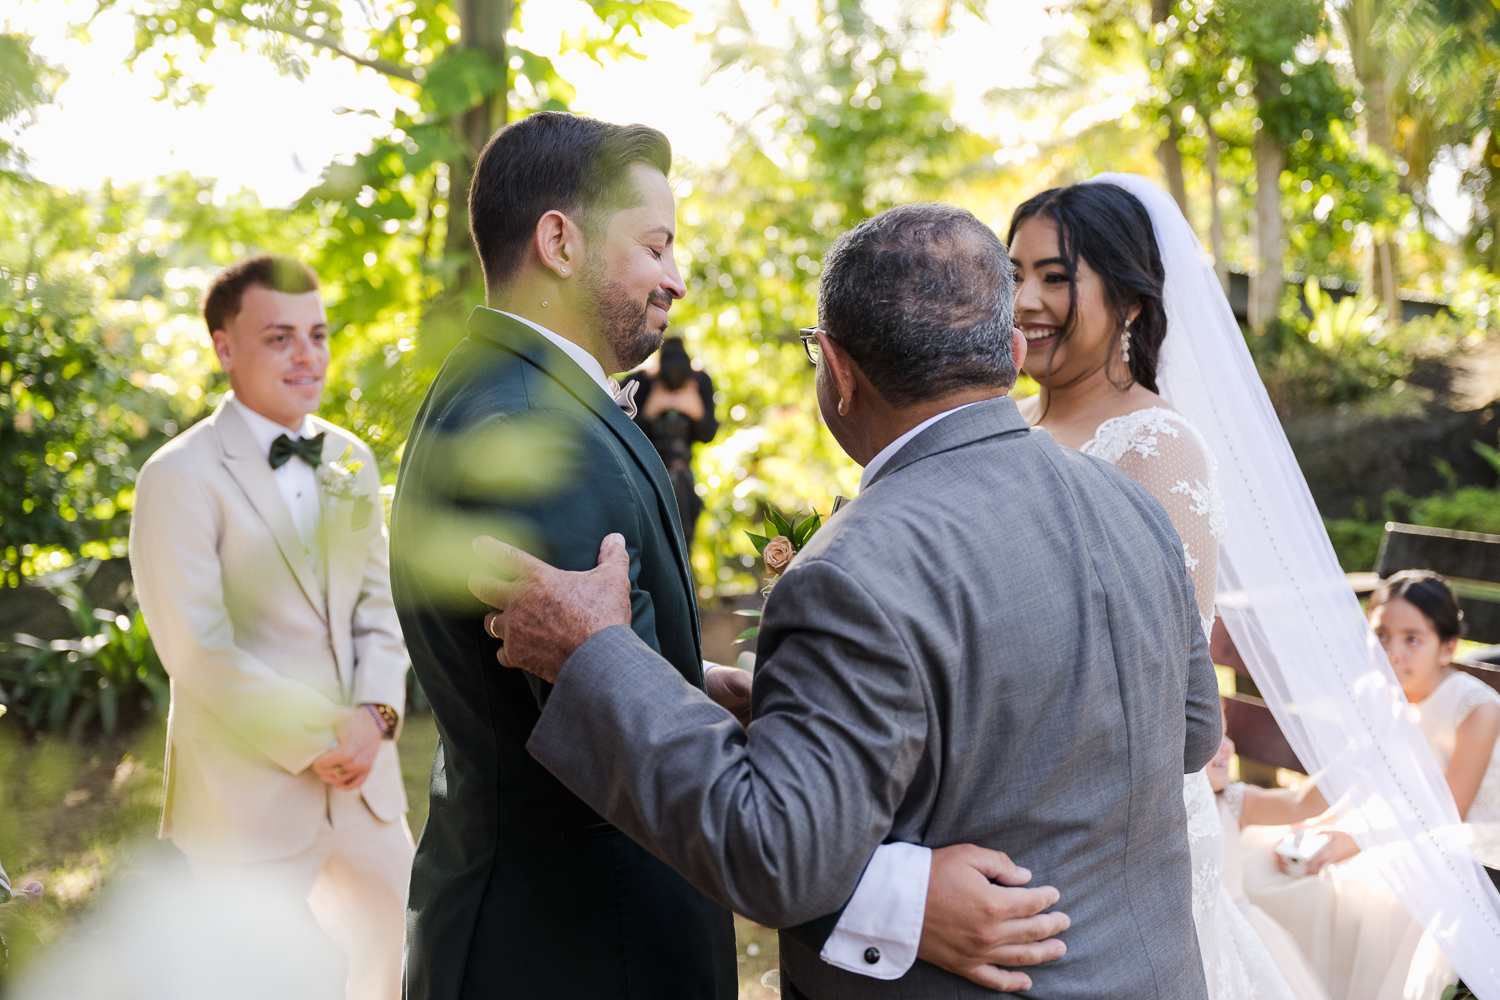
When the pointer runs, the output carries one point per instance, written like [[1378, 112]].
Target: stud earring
[[1125, 345], [564, 269]]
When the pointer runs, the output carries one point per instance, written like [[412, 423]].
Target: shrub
[[1335, 353], [1356, 539], [110, 675]]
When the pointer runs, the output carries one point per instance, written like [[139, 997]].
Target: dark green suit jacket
[[519, 890]]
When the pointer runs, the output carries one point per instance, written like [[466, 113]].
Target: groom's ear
[[559, 244]]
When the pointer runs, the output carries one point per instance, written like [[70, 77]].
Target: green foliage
[[387, 230], [1469, 508], [1212, 77], [26, 82], [1356, 542], [110, 676], [851, 128], [102, 356], [1343, 353], [1356, 539]]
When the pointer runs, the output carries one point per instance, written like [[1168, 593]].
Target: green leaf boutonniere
[[778, 550]]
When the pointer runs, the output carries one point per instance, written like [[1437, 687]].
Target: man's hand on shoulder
[[347, 765], [983, 931], [546, 613]]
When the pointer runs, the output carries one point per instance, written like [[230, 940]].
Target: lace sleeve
[[1167, 456], [1234, 798]]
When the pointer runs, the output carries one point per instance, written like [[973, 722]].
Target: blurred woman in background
[[675, 407]]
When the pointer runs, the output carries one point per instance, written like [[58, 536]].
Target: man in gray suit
[[996, 643]]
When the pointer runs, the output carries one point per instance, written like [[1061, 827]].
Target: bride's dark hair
[[1108, 226]]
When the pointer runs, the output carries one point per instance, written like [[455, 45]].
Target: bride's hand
[[973, 927]]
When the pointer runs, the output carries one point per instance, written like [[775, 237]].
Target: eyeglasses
[[809, 338]]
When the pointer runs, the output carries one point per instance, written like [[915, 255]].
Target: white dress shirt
[[884, 917], [590, 364], [297, 480]]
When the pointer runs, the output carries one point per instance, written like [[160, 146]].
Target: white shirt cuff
[[883, 920]]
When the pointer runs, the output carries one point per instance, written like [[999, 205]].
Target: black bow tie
[[310, 450]]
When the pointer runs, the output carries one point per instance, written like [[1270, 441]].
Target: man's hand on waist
[[977, 929]]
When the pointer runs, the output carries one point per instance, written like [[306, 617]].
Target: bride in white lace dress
[[1089, 284]]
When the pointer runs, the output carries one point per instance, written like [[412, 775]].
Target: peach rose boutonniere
[[778, 550]]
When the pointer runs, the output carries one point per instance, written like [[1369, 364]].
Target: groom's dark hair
[[923, 298], [554, 160]]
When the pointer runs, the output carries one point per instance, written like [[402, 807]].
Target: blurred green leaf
[[806, 529]]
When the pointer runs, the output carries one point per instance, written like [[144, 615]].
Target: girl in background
[[1361, 940]]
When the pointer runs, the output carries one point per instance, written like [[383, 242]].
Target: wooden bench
[[1471, 564]]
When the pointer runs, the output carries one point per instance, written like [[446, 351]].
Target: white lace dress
[[1163, 452]]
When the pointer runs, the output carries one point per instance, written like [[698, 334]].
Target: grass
[[71, 816]]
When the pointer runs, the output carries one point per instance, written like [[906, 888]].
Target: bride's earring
[[843, 408], [1125, 345]]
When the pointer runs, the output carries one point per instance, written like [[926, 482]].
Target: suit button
[[872, 956]]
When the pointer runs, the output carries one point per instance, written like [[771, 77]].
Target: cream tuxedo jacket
[[261, 654]]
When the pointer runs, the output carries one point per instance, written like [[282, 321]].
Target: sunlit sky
[[275, 134]]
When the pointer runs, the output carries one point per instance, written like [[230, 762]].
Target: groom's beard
[[622, 320]]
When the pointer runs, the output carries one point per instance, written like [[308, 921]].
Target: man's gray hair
[[923, 298]]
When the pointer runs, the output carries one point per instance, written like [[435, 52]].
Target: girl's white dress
[[1162, 451], [1295, 968], [1355, 932]]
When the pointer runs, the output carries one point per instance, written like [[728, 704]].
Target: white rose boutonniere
[[340, 481]]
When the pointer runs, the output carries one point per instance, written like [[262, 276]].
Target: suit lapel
[[519, 339], [253, 474], [341, 567]]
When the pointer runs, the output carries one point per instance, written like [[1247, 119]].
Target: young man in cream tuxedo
[[260, 559]]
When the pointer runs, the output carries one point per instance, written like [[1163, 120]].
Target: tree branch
[[379, 65]]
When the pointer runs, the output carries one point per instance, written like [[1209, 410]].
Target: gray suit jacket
[[996, 643]]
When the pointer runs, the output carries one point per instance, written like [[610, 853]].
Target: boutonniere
[[340, 481], [777, 551]]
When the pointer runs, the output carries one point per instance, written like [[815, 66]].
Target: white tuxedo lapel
[[342, 568], [344, 526], [252, 473]]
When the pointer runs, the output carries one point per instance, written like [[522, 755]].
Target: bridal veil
[[1299, 627]]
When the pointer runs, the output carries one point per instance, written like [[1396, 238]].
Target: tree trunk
[[1169, 155], [1372, 58], [482, 25], [1384, 275], [1216, 211], [1265, 281]]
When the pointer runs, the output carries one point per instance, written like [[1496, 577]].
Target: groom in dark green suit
[[520, 890]]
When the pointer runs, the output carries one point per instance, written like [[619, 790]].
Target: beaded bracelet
[[385, 717]]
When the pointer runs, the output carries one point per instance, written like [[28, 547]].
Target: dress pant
[[353, 877]]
